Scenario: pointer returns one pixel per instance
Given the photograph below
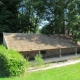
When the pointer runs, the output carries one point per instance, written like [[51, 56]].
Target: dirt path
[[54, 65]]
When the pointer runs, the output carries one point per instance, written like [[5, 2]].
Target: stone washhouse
[[49, 46]]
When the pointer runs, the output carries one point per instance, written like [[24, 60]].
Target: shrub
[[38, 59], [12, 63]]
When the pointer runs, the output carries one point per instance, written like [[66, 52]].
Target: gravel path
[[54, 65]]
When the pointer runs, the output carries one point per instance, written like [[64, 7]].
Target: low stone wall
[[62, 51], [52, 52], [66, 51], [29, 54], [49, 53]]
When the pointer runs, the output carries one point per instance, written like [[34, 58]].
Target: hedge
[[12, 63]]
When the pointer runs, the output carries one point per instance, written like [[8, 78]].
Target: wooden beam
[[76, 51], [39, 52], [60, 53]]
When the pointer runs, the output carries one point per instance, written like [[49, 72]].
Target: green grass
[[71, 72]]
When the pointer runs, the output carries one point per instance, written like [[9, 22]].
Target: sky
[[43, 23]]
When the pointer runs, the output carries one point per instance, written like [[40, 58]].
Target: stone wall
[[52, 52], [29, 54], [49, 53], [4, 42], [67, 51]]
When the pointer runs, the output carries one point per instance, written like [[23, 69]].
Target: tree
[[62, 15], [28, 19], [9, 15]]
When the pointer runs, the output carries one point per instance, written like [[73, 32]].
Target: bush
[[12, 63], [38, 59]]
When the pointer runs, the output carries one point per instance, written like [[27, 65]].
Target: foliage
[[44, 30], [28, 20], [54, 13], [9, 15], [25, 16], [38, 59], [12, 63], [48, 29], [63, 16]]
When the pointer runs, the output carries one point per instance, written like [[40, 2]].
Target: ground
[[59, 62]]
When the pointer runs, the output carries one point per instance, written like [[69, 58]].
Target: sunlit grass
[[71, 72]]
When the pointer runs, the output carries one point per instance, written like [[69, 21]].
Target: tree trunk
[[63, 28], [68, 31]]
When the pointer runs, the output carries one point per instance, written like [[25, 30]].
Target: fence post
[[76, 51], [60, 53]]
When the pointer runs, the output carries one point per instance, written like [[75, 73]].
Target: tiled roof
[[31, 42]]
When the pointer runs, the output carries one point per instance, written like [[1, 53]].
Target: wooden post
[[60, 53], [76, 51], [39, 52]]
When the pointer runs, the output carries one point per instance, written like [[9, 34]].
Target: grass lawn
[[71, 72]]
